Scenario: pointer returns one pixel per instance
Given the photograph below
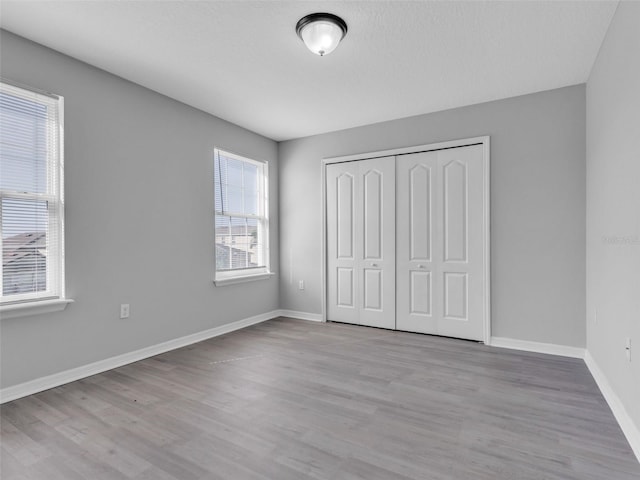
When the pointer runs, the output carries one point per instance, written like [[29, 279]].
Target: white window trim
[[231, 277], [48, 301], [222, 279], [13, 310]]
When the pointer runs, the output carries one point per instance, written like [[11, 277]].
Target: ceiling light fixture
[[321, 32]]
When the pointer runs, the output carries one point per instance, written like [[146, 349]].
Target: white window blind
[[241, 219], [31, 195]]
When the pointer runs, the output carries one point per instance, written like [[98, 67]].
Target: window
[[31, 196], [241, 218]]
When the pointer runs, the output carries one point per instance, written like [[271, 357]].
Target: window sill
[[242, 279], [33, 308]]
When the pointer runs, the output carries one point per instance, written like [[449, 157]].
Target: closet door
[[377, 250], [361, 242], [460, 259], [343, 192], [440, 242], [417, 275]]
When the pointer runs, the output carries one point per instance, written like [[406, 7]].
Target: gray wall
[[537, 202], [139, 219], [613, 207]]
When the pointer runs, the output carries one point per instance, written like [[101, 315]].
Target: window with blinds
[[241, 220], [31, 199]]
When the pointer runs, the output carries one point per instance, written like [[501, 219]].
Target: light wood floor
[[290, 399]]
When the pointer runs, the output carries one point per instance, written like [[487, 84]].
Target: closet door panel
[[420, 293], [345, 226], [345, 287], [372, 218], [455, 210], [420, 215]]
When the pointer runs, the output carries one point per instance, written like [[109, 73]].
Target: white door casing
[[361, 242]]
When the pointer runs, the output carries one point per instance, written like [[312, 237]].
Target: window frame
[[238, 275], [53, 298]]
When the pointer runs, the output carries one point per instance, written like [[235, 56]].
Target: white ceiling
[[242, 60]]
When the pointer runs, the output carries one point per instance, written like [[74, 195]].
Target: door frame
[[486, 210]]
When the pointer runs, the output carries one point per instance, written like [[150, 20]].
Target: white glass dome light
[[321, 32]]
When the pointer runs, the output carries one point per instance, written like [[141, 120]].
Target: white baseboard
[[629, 428], [57, 379], [314, 317], [538, 347]]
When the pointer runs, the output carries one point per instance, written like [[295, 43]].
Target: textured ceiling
[[243, 62]]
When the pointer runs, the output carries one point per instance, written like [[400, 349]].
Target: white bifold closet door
[[361, 263], [440, 242]]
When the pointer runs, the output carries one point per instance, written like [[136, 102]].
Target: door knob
[[420, 266], [374, 264]]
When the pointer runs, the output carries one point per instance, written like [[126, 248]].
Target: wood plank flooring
[[289, 399]]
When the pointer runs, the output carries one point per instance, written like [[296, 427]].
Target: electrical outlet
[[124, 310], [627, 349], [301, 285]]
